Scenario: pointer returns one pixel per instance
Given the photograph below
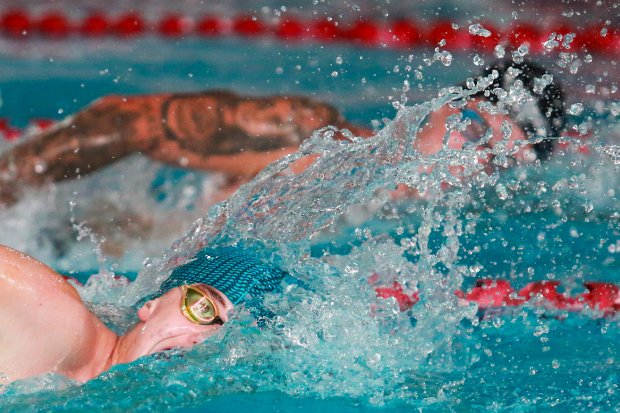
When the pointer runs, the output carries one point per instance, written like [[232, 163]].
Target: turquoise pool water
[[326, 349]]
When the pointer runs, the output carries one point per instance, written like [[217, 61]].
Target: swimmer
[[240, 135], [531, 112], [46, 328]]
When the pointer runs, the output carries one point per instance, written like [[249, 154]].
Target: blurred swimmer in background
[[239, 135]]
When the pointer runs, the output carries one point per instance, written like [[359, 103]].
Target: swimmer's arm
[[240, 135], [23, 277], [108, 130], [44, 325], [217, 131]]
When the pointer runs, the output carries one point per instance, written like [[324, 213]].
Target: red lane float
[[290, 28], [365, 32], [601, 297], [129, 25], [53, 25], [174, 25], [486, 44], [401, 33], [10, 132], [16, 23], [528, 34], [326, 30], [95, 24], [209, 26], [444, 30], [248, 26], [406, 34]]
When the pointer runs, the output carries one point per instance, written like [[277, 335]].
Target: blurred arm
[[213, 131]]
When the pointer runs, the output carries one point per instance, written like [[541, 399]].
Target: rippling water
[[332, 344]]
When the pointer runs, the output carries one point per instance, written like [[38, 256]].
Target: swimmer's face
[[430, 138], [165, 322]]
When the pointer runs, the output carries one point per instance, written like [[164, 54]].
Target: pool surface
[[333, 345]]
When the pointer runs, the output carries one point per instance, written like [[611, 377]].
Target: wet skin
[[38, 336], [431, 136], [215, 131], [430, 139]]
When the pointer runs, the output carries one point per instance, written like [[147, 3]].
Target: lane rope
[[601, 298], [598, 299], [399, 33]]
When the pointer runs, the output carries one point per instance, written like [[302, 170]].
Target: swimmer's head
[[540, 110], [236, 272], [197, 298]]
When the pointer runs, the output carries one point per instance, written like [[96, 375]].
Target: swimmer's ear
[[144, 313]]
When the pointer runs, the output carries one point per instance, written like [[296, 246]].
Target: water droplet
[[523, 50], [500, 52], [575, 109], [334, 74], [502, 193], [478, 30], [551, 43], [444, 57], [478, 61], [339, 60], [40, 166], [555, 364]]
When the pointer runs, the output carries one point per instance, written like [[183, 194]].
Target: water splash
[[335, 226]]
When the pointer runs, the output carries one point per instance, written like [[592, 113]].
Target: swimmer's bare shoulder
[[42, 318]]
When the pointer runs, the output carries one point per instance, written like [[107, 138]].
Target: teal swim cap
[[235, 271]]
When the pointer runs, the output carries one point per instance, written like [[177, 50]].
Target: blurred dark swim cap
[[541, 116]]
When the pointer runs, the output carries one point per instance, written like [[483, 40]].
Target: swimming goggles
[[198, 308]]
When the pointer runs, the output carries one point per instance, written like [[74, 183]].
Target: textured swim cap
[[543, 115], [235, 271]]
